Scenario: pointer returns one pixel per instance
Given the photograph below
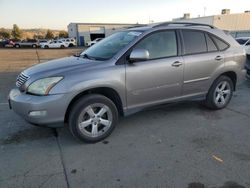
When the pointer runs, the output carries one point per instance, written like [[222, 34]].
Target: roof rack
[[183, 23]]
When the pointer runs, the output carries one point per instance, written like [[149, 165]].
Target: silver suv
[[127, 72]]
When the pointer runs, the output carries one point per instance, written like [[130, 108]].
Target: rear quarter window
[[220, 43]]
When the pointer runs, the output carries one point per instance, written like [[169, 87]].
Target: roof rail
[[183, 23], [137, 25]]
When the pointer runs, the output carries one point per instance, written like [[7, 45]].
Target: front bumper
[[48, 111]]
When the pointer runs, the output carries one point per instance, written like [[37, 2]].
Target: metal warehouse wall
[[233, 22]]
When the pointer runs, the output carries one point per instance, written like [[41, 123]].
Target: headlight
[[43, 86]]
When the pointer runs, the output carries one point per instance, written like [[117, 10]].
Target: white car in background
[[69, 41], [54, 44], [245, 43], [91, 43]]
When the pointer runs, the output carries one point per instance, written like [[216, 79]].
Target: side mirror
[[139, 55]]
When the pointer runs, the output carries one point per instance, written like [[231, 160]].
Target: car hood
[[59, 66]]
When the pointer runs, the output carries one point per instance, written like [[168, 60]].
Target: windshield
[[108, 47], [242, 41]]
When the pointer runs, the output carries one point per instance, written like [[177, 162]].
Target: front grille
[[21, 79]]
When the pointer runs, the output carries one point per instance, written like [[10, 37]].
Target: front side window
[[194, 42], [159, 45], [110, 46]]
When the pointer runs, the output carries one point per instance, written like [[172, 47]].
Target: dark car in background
[[27, 43], [3, 43], [8, 43]]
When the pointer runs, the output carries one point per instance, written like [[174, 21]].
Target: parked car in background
[[244, 42], [32, 43], [42, 41], [129, 71], [3, 43], [70, 42], [91, 43], [11, 42], [54, 44]]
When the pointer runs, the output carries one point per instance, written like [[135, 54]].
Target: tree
[[4, 34], [63, 34], [38, 36], [49, 34], [16, 32]]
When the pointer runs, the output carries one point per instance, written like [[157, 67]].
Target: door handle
[[218, 58], [177, 64]]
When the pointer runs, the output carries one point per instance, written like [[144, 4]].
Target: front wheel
[[93, 118], [220, 93]]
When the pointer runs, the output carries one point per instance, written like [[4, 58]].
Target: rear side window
[[194, 42], [220, 44], [160, 44], [211, 47]]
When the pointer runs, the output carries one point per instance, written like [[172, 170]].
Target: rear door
[[160, 77], [202, 57]]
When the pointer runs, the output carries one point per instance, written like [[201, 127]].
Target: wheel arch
[[232, 75], [108, 92]]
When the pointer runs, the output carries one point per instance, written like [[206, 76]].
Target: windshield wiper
[[87, 56], [93, 58]]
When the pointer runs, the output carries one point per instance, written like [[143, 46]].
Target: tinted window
[[248, 43], [220, 44], [194, 42], [211, 47], [160, 44], [241, 41]]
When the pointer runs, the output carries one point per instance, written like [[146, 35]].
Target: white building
[[237, 24], [84, 32]]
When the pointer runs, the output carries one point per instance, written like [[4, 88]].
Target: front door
[[159, 78]]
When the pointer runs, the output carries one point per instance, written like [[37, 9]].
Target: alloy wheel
[[95, 120]]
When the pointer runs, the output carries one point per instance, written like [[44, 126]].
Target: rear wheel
[[33, 46], [62, 46], [17, 46], [220, 93], [46, 46], [93, 118]]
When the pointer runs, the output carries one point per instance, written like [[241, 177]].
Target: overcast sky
[[57, 14]]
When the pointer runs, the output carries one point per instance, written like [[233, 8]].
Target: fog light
[[38, 113]]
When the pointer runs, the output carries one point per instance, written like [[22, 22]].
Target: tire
[[92, 130], [62, 46], [17, 46], [222, 88], [46, 46], [33, 46], [71, 45]]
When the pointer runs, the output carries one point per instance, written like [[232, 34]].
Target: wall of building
[[84, 30], [237, 24], [233, 22]]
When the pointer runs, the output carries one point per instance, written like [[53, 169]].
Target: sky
[[57, 14]]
